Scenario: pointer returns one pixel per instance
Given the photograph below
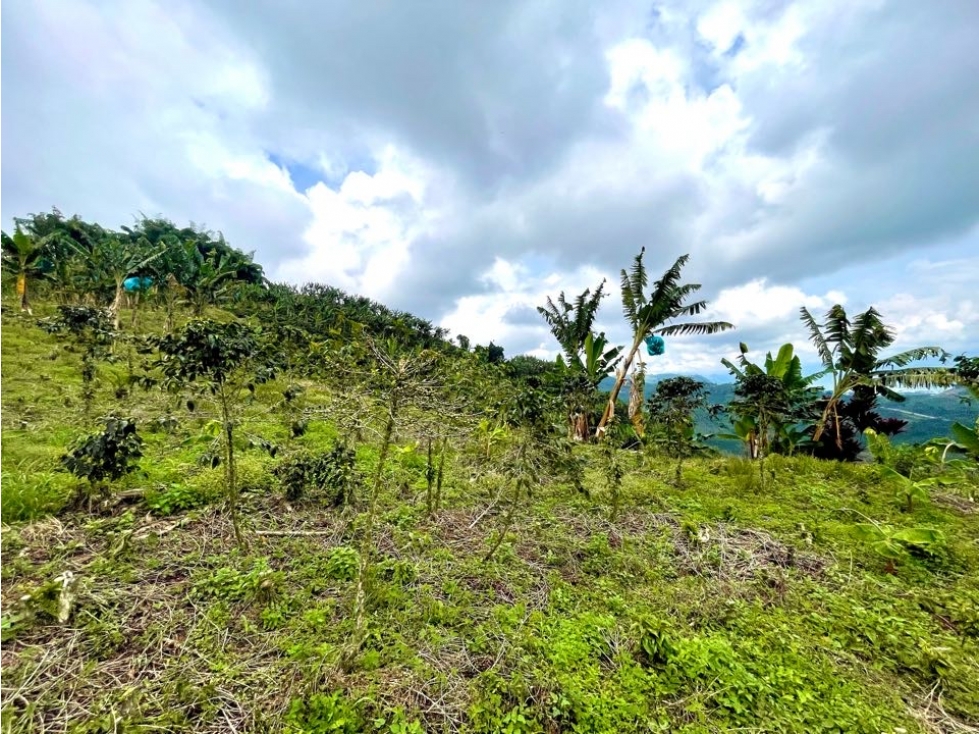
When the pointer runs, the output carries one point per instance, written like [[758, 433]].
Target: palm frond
[[629, 305], [890, 394], [916, 378], [905, 358], [736, 371], [837, 326], [707, 327], [638, 278], [668, 283], [870, 333], [691, 309], [817, 338]]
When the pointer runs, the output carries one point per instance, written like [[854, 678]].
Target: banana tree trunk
[[617, 387], [22, 292], [117, 304]]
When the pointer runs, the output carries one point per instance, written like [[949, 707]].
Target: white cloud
[[757, 304], [510, 286], [361, 234]]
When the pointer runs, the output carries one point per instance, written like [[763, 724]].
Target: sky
[[464, 160]]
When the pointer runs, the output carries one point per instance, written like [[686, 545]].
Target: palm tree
[[21, 255], [849, 351], [650, 315]]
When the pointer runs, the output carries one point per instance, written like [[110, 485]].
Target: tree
[[118, 260], [209, 277], [671, 411], [224, 360], [799, 394], [396, 380], [966, 371], [22, 254], [649, 315], [850, 353], [492, 354]]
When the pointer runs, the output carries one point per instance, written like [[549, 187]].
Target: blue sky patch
[[303, 177], [736, 46]]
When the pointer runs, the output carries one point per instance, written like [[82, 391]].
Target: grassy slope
[[717, 607]]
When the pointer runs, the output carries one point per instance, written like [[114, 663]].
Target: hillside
[[717, 605]]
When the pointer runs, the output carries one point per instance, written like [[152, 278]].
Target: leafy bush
[[334, 472], [106, 455]]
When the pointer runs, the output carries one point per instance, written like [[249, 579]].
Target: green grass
[[719, 606]]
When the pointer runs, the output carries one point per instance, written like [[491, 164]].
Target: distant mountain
[[929, 414]]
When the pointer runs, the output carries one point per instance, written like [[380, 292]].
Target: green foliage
[[106, 455], [965, 440], [656, 645], [334, 473], [850, 352], [966, 371], [909, 491], [176, 498], [695, 610], [671, 414], [896, 543], [342, 564], [90, 331], [213, 352], [322, 713], [223, 359], [31, 492], [258, 583], [787, 430], [22, 257], [612, 472], [902, 459]]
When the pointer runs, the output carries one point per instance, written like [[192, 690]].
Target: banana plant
[[22, 254], [587, 355], [965, 439], [648, 315], [909, 490], [799, 391], [118, 260], [209, 281], [893, 544], [850, 352]]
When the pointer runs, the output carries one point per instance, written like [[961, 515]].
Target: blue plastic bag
[[655, 345], [137, 284]]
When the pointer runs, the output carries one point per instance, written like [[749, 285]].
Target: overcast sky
[[464, 159]]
